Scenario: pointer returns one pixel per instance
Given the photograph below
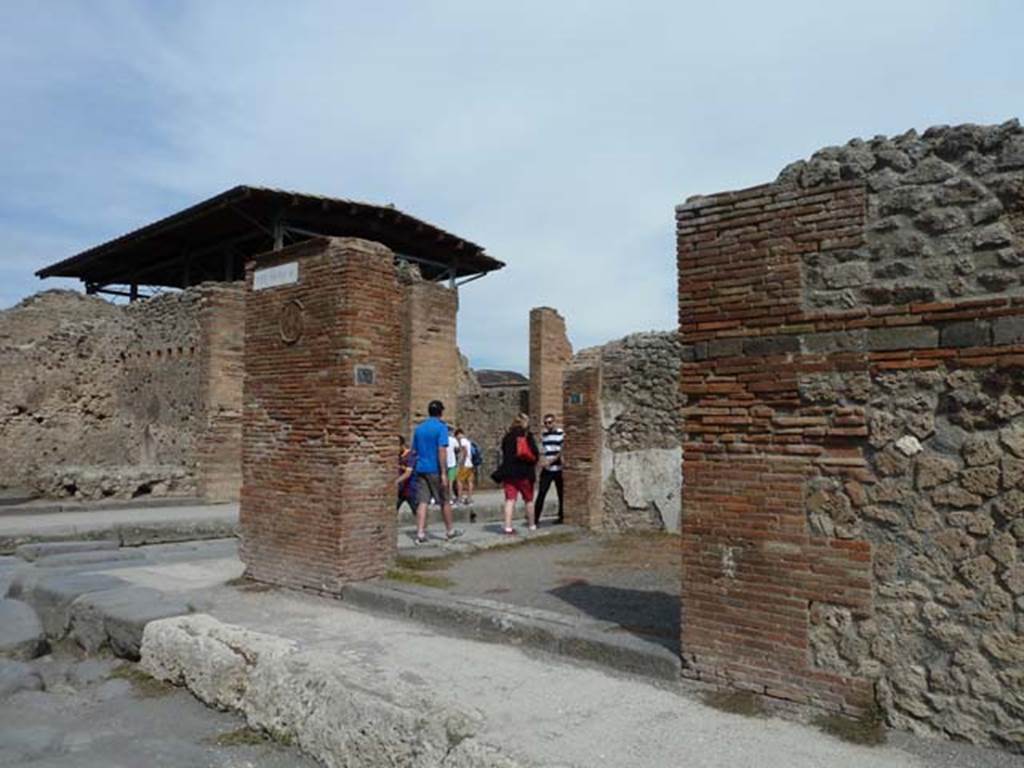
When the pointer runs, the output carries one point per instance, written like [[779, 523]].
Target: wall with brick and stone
[[322, 396], [100, 400], [622, 437], [854, 347]]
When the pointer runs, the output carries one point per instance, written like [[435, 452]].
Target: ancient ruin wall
[[485, 414], [550, 352], [852, 458], [431, 365], [101, 400], [622, 434]]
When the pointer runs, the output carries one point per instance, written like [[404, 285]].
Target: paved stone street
[[536, 708], [102, 713]]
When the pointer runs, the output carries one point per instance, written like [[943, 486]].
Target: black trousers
[[546, 479]]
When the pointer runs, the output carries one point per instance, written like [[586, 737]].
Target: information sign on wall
[[270, 277]]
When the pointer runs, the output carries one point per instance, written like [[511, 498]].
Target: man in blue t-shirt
[[430, 443]]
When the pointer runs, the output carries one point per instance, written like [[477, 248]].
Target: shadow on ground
[[650, 615]]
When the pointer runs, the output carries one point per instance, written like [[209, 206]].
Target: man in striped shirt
[[551, 440]]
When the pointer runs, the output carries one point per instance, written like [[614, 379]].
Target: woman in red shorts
[[518, 469]]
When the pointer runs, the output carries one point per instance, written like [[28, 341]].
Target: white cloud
[[558, 135]]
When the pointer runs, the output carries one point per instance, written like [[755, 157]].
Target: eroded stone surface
[[339, 713], [943, 644]]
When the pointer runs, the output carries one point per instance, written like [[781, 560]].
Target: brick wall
[[222, 370], [854, 432], [550, 352], [317, 504], [584, 444], [431, 366]]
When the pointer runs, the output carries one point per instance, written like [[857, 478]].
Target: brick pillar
[[222, 369], [431, 366], [584, 445], [550, 353], [322, 358]]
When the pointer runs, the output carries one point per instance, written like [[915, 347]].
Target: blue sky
[[559, 135]]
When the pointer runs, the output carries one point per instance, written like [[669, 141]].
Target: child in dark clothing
[[406, 487]]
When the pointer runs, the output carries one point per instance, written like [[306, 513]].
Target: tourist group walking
[[440, 465]]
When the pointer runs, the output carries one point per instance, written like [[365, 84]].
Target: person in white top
[[453, 462], [465, 474]]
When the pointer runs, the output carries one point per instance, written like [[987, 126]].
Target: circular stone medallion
[[290, 322]]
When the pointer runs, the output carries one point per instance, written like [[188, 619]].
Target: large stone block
[[21, 632], [905, 337], [52, 595], [340, 710], [1008, 330], [116, 618], [973, 333]]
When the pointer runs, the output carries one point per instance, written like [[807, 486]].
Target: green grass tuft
[[145, 686], [240, 737], [548, 539], [736, 702], [245, 584], [866, 730], [428, 563], [419, 579]]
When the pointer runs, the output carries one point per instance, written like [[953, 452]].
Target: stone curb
[[128, 534], [601, 643], [470, 544], [32, 552], [485, 512], [49, 507]]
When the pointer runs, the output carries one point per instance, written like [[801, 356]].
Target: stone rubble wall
[[621, 406], [854, 356], [100, 400], [485, 415], [943, 218]]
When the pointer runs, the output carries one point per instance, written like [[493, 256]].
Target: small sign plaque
[[366, 375], [575, 398], [271, 277]]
